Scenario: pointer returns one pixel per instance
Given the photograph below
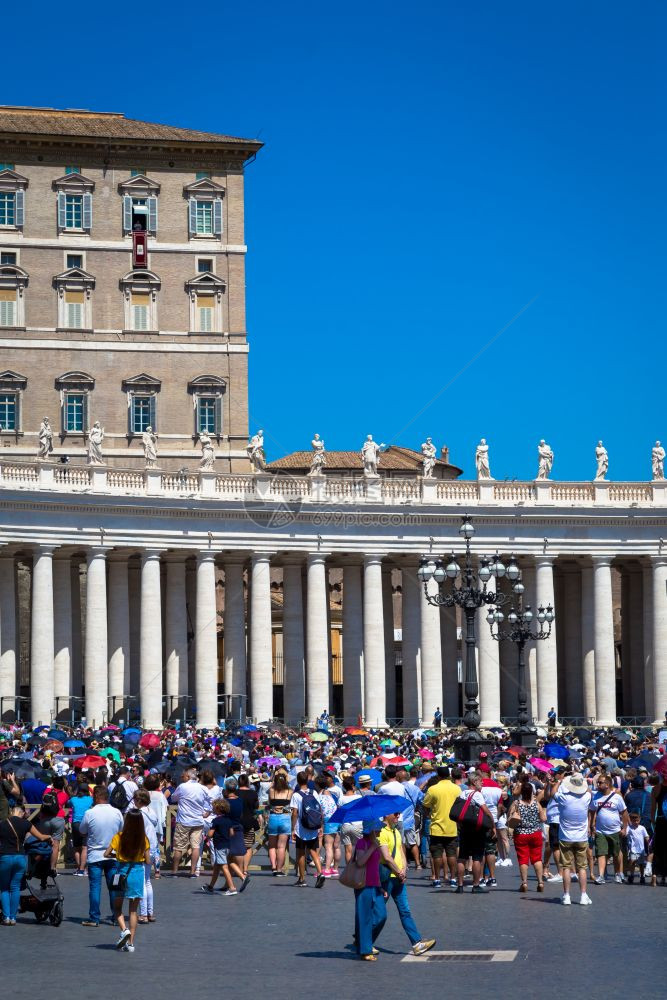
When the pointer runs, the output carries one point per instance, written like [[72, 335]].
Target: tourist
[[503, 840], [659, 800], [193, 805], [80, 803], [307, 820], [13, 862], [222, 831], [279, 824], [609, 822], [473, 840], [572, 798], [637, 844], [249, 818], [131, 850], [526, 817], [551, 844], [393, 874], [142, 801], [369, 902], [349, 832], [444, 834], [121, 791], [159, 806], [330, 831], [98, 826]]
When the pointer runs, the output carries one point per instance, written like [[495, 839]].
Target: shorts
[[249, 839], [307, 845], [490, 844], [350, 833], [77, 837], [220, 855], [279, 824], [638, 859], [528, 847], [554, 839], [573, 855], [443, 845], [410, 838], [607, 844], [331, 828], [187, 836], [134, 888], [471, 843]]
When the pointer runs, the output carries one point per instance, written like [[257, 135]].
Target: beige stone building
[[122, 288]]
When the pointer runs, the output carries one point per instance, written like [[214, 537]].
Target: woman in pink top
[[370, 908]]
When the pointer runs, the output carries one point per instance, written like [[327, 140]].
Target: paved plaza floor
[[278, 941]]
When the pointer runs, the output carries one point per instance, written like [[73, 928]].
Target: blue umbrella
[[71, 744], [249, 729], [39, 729], [556, 750], [131, 730], [646, 760], [370, 807], [375, 775], [57, 734], [132, 738]]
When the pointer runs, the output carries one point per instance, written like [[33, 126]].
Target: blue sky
[[431, 172]]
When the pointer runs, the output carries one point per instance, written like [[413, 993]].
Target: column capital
[[373, 558], [601, 560], [44, 550], [93, 551], [207, 555], [545, 559], [314, 558], [150, 554], [658, 560], [257, 557]]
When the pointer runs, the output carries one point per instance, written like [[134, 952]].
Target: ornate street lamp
[[521, 628], [470, 595]]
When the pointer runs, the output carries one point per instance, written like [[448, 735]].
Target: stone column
[[529, 598], [294, 680], [236, 683], [261, 654], [375, 694], [353, 646], [659, 702], [95, 657], [588, 642], [77, 629], [636, 641], [450, 663], [317, 640], [118, 638], [605, 659], [574, 686], [8, 638], [411, 645], [626, 629], [150, 641], [176, 635], [389, 655], [62, 633], [206, 650], [547, 658], [191, 614], [134, 590], [41, 637], [647, 622], [488, 668], [507, 661], [431, 660]]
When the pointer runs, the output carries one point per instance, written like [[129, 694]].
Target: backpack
[[118, 798], [311, 811]]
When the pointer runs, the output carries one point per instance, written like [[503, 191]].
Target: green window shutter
[[62, 210], [192, 215], [218, 414], [20, 208]]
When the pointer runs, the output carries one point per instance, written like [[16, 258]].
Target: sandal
[[540, 886], [151, 919], [142, 920], [369, 958], [523, 887]]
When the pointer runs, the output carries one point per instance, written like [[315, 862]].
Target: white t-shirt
[[296, 802], [476, 796], [553, 811], [608, 806], [637, 839], [492, 797], [573, 816]]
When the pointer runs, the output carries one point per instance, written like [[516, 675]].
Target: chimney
[[444, 454]]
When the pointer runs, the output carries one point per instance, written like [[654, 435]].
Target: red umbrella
[[355, 731], [661, 766], [149, 741], [90, 760], [54, 745], [394, 760], [515, 751]]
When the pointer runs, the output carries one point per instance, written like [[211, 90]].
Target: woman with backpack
[[131, 850]]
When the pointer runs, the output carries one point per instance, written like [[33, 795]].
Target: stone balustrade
[[273, 488]]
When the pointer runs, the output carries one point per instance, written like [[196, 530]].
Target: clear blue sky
[[430, 169]]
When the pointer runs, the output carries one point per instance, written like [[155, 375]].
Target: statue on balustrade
[[149, 441], [255, 450], [319, 459], [95, 439], [370, 456], [45, 439], [658, 461], [428, 462], [602, 458], [546, 460], [482, 460], [207, 452]]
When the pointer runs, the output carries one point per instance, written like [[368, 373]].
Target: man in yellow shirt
[[393, 871], [438, 801]]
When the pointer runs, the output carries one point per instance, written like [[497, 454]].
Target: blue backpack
[[311, 812]]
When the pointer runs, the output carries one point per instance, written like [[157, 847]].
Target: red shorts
[[528, 847]]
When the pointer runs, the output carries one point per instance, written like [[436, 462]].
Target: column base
[[492, 725], [469, 747], [376, 724], [525, 737], [606, 724]]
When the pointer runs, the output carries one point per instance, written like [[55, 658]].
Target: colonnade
[[135, 640]]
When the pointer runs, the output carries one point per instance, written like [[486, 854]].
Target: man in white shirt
[[99, 825], [573, 801], [193, 804], [609, 822], [304, 835], [128, 785]]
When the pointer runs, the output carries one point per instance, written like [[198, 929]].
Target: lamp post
[[470, 595], [521, 628]]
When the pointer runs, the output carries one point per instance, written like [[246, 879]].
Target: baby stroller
[[39, 891]]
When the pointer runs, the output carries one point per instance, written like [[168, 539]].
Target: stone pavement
[[281, 942]]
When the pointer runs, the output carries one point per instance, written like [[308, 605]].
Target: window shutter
[[197, 414], [193, 216], [152, 215], [153, 412], [87, 211], [62, 218], [218, 414], [127, 214], [217, 217], [84, 411], [130, 414], [20, 209]]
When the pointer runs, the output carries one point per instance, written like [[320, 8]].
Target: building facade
[[122, 287]]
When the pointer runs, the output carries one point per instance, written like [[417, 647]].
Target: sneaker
[[585, 899], [79, 874], [459, 888], [600, 880], [648, 869], [631, 879], [436, 883], [453, 883], [280, 874], [334, 873], [556, 878], [642, 880], [491, 883], [231, 892], [129, 947], [565, 899], [207, 889], [319, 881], [326, 872], [423, 946], [619, 878], [245, 883], [574, 877], [509, 863], [89, 923], [124, 937], [300, 883], [479, 888]]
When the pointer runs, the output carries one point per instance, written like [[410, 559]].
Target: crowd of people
[[124, 808]]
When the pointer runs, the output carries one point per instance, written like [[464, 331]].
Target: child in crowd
[[637, 848], [221, 830]]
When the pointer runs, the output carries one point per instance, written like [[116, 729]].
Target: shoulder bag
[[353, 875]]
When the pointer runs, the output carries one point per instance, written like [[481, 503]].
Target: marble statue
[[45, 439], [546, 460], [255, 450], [658, 461], [428, 462], [319, 460], [149, 441], [95, 439], [482, 460], [370, 456], [602, 458], [207, 452]]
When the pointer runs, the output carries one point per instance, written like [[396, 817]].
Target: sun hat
[[364, 779], [575, 784]]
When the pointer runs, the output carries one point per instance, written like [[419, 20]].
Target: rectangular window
[[140, 311], [202, 175], [73, 211], [7, 208], [207, 415], [137, 171], [205, 314], [74, 310], [6, 166], [72, 170], [8, 410], [7, 257], [205, 265], [74, 260], [204, 218], [142, 413], [75, 412], [7, 307]]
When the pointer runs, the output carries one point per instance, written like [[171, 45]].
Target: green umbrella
[[389, 743], [110, 752], [319, 737]]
